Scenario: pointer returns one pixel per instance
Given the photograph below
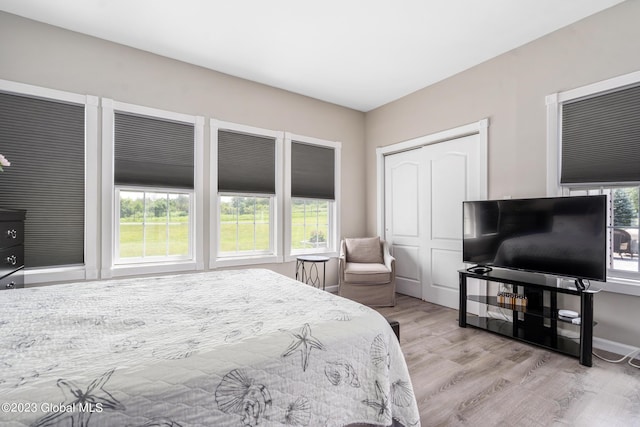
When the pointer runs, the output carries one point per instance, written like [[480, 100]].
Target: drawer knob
[[10, 285], [12, 234], [12, 260]]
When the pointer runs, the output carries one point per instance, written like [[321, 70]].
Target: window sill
[[330, 253], [151, 268], [621, 286], [245, 261], [67, 273]]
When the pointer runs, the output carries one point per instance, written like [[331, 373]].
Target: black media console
[[537, 322]]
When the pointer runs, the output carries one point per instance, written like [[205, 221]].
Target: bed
[[225, 348]]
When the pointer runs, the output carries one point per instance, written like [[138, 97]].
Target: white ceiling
[[356, 53]]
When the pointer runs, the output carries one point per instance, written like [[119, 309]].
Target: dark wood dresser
[[11, 248]]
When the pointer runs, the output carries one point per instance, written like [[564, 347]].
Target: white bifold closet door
[[423, 193]]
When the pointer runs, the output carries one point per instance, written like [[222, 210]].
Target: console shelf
[[536, 323], [505, 328], [544, 312]]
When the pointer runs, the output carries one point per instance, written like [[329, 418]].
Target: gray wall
[[510, 90], [47, 56]]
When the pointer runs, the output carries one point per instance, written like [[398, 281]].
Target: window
[[50, 138], [313, 184], [593, 141], [245, 225], [152, 181], [153, 225], [311, 224], [245, 175], [623, 228]]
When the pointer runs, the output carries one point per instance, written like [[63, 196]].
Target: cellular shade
[[601, 138], [312, 171], [153, 152], [44, 141], [246, 163]]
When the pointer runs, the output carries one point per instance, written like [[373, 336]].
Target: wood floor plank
[[470, 377]]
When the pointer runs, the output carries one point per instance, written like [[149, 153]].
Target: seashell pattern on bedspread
[[225, 348]]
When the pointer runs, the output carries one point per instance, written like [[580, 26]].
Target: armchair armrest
[[342, 260], [389, 261]]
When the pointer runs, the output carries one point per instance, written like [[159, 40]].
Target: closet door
[[403, 231], [451, 171], [424, 190]]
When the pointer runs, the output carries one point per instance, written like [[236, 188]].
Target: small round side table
[[309, 275]]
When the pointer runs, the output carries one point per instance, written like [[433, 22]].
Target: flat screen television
[[562, 236]]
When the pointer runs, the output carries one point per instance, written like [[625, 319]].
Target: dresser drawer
[[11, 259], [12, 281], [11, 233]]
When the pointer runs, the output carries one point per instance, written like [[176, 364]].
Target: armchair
[[367, 272]]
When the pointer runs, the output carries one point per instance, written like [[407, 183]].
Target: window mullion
[[144, 224], [237, 200], [304, 223], [317, 223], [166, 246], [254, 222]]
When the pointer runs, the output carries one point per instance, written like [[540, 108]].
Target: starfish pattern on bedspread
[[380, 404], [304, 342], [94, 398]]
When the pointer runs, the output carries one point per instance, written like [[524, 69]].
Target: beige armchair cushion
[[364, 250], [366, 273]]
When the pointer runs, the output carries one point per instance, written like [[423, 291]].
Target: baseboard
[[612, 346], [332, 288]]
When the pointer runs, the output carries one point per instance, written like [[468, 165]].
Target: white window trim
[[215, 259], [554, 135], [109, 269], [554, 110], [331, 251], [89, 270]]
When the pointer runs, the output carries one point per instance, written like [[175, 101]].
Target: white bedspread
[[227, 348]]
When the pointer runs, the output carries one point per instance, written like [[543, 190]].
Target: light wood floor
[[470, 377]]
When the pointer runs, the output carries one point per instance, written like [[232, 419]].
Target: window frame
[[217, 258], [119, 261], [89, 269], [334, 215], [618, 282], [109, 227]]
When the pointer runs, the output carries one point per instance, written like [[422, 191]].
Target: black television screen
[[563, 236]]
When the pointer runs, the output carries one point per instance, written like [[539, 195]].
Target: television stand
[[537, 322]]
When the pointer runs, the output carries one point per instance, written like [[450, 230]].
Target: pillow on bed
[[364, 250]]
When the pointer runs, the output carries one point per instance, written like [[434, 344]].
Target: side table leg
[[324, 274]]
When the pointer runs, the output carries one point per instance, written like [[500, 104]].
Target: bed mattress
[[226, 348]]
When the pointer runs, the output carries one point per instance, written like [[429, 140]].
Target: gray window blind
[[153, 152], [312, 171], [601, 138], [44, 141], [246, 163]]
